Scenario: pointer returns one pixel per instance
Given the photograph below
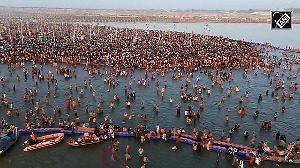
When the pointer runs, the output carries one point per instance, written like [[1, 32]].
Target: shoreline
[[131, 16]]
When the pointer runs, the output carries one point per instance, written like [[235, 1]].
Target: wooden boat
[[88, 139], [44, 141], [7, 140]]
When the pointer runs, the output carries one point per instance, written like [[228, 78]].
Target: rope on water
[[112, 159]]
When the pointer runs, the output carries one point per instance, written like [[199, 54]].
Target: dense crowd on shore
[[121, 47]]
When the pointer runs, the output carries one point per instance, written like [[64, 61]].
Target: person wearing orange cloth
[[68, 103], [202, 105], [27, 126], [227, 118], [33, 138], [47, 100], [127, 149]]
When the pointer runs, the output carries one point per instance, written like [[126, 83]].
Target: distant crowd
[[122, 47]]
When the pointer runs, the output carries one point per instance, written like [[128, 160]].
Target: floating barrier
[[41, 130], [158, 137], [52, 131], [227, 145], [218, 146], [183, 139], [123, 134]]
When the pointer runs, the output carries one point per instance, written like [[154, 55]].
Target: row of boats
[[9, 138]]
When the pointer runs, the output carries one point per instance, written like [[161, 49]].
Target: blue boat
[[8, 139]]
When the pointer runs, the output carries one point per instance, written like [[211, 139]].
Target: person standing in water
[[178, 141], [141, 151], [127, 155], [227, 119], [145, 159]]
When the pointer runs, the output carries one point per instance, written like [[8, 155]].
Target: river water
[[159, 152]]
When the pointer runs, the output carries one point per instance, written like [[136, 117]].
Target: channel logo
[[281, 19]]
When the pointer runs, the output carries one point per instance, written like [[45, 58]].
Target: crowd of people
[[124, 50], [122, 47]]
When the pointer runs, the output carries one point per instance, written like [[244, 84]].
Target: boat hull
[[45, 141], [86, 141], [8, 141]]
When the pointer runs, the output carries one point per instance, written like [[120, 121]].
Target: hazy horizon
[[157, 4]]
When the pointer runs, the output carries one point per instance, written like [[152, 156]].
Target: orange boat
[[44, 141]]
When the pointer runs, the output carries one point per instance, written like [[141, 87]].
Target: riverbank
[[159, 16]]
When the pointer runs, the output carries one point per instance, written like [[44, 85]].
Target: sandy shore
[[97, 15]]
